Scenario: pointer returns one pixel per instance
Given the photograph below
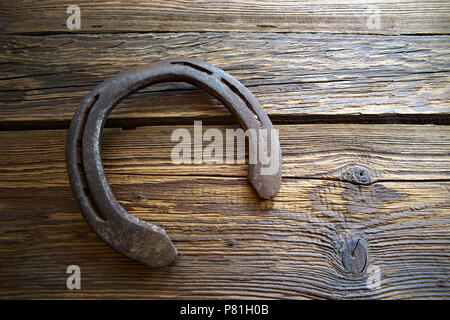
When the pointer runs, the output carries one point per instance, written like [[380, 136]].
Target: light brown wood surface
[[363, 119], [232, 244], [296, 78], [350, 16]]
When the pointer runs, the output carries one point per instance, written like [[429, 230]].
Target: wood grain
[[296, 77], [232, 245], [321, 151], [363, 115], [396, 17]]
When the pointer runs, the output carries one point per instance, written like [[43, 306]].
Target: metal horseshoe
[[125, 233]]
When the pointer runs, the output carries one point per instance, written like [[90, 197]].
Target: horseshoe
[[135, 238]]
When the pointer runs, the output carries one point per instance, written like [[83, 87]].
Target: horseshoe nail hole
[[236, 91], [91, 202], [79, 141], [94, 100], [82, 173], [89, 107], [184, 63], [79, 146]]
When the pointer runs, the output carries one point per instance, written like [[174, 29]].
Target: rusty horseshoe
[[125, 233]]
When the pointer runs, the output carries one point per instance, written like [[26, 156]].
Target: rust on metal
[[127, 234]]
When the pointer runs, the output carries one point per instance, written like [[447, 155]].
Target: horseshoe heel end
[[141, 241], [266, 179], [265, 186]]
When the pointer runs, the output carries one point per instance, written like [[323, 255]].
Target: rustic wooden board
[[361, 113], [351, 16], [232, 244], [321, 151], [296, 77]]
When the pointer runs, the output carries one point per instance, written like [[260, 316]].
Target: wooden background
[[363, 116]]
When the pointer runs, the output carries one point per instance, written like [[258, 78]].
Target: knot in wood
[[359, 175], [354, 255]]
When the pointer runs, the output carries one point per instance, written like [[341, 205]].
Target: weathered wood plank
[[231, 244], [341, 152], [396, 17], [353, 196], [296, 77]]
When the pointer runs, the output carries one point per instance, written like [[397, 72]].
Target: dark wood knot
[[354, 255], [358, 175]]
